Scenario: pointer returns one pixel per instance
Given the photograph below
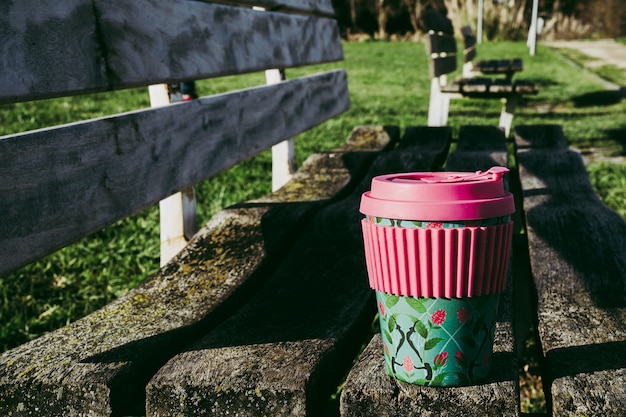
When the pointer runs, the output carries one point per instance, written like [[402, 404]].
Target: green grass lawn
[[388, 84]]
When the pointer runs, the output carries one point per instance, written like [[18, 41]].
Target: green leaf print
[[431, 343], [438, 380], [391, 300], [391, 323], [416, 304], [417, 224], [387, 336], [421, 329]]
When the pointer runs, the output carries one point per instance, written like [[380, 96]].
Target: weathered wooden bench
[[442, 52], [266, 309], [572, 253], [502, 66], [577, 253], [64, 182]]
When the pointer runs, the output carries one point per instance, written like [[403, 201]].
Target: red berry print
[[381, 308], [438, 317], [460, 357], [435, 225], [408, 364], [462, 315], [440, 359]]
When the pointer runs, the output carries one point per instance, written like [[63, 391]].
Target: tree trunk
[[414, 11], [382, 19]]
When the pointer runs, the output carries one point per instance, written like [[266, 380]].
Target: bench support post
[[283, 156], [177, 222], [506, 116], [439, 104], [177, 212], [468, 70]]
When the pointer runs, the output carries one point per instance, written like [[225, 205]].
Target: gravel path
[[602, 52]]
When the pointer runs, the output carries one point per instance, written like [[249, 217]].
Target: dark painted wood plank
[[469, 44], [475, 85], [49, 47], [61, 184], [502, 86], [479, 148], [99, 365], [54, 50], [436, 22], [324, 7], [370, 391], [540, 136], [441, 49], [525, 87], [577, 251], [285, 351]]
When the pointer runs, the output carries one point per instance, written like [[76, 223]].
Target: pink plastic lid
[[439, 196]]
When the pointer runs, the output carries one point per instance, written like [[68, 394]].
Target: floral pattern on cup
[[418, 224], [437, 341]]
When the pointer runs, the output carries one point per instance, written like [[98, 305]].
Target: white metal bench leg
[[177, 222], [283, 155], [468, 68], [177, 213], [506, 116], [438, 106]]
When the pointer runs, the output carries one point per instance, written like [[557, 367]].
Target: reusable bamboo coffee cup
[[437, 248]]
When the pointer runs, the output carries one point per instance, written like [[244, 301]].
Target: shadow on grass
[[599, 98], [618, 136]]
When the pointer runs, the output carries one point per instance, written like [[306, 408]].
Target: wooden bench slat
[[310, 6], [499, 85], [99, 171], [479, 148], [442, 51], [540, 136], [281, 352], [435, 21], [475, 85], [578, 260], [84, 46], [100, 364], [369, 391], [469, 44]]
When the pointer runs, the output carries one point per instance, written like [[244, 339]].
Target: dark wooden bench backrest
[[61, 183], [469, 44], [442, 52], [441, 44], [437, 22]]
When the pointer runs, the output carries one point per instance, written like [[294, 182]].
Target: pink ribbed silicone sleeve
[[447, 262]]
